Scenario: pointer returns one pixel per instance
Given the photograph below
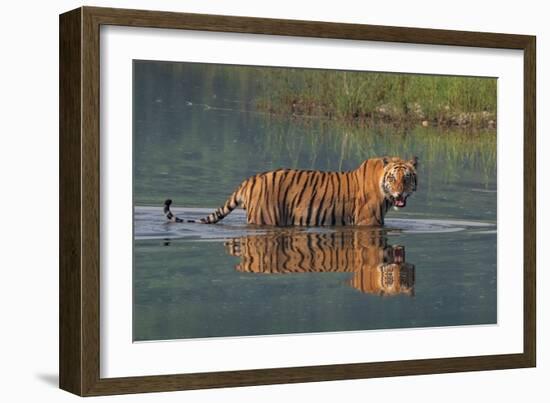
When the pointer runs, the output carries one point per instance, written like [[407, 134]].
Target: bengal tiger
[[287, 197]]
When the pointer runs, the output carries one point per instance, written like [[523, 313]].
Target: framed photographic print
[[249, 201]]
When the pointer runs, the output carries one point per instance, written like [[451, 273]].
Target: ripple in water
[[150, 223]]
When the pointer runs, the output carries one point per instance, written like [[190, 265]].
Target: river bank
[[366, 97]]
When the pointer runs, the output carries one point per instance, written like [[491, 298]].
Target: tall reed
[[351, 95]]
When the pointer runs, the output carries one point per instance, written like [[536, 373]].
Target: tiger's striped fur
[[288, 197], [375, 266]]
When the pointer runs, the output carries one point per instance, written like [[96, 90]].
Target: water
[[196, 139]]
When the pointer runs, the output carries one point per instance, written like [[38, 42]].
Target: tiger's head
[[398, 180]]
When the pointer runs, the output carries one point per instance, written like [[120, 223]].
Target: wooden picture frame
[[79, 201]]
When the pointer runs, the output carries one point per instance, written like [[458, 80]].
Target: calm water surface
[[196, 138]]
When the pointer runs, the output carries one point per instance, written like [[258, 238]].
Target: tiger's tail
[[169, 215], [213, 218]]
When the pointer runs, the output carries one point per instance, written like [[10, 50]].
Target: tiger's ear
[[414, 162], [385, 160]]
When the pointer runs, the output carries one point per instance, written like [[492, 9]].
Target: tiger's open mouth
[[399, 201]]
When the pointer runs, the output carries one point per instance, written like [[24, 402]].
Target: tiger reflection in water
[[378, 268]]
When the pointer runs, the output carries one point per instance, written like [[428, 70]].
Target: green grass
[[360, 96]]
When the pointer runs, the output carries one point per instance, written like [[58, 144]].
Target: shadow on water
[[376, 267]]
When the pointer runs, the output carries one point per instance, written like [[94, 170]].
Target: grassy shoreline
[[361, 97]]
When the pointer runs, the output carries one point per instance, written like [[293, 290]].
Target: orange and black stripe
[[286, 197]]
